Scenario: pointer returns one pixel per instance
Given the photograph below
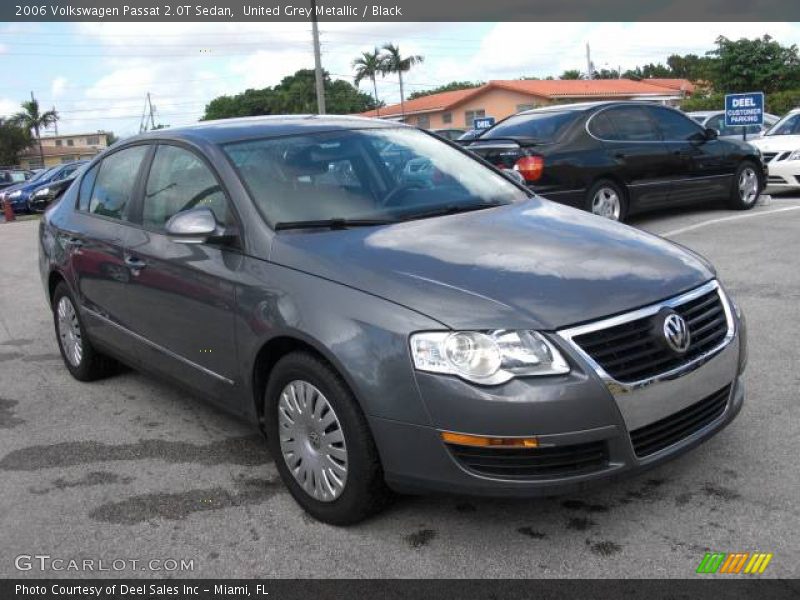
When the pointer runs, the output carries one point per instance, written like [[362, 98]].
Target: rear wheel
[[321, 442], [746, 188], [81, 359], [607, 199]]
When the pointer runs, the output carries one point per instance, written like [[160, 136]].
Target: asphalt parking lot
[[132, 469]]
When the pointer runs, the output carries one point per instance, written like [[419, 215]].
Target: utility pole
[[148, 114], [589, 68], [55, 123], [317, 61]]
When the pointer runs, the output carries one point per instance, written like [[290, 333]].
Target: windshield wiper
[[448, 209], [331, 223]]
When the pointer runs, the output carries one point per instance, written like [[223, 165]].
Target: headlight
[[41, 192], [15, 194], [794, 155], [488, 358]]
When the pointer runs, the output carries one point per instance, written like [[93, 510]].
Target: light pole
[[317, 61]]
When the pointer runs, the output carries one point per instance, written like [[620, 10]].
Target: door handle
[[135, 264]]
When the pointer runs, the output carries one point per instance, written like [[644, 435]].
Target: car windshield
[[17, 176], [42, 174], [788, 125], [545, 126], [367, 175]]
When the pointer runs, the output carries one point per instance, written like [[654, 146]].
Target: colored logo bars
[[721, 562]]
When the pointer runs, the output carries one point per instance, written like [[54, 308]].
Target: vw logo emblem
[[676, 333]]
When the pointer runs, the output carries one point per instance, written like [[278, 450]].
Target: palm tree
[[394, 62], [33, 120], [368, 66]]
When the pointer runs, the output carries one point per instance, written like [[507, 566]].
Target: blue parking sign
[[742, 110], [482, 123]]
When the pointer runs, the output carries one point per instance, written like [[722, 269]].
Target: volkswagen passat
[[431, 325]]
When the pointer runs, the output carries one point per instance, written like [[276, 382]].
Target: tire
[[606, 198], [742, 196], [81, 359], [310, 445]]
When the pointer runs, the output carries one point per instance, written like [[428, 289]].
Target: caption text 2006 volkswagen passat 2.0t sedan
[[393, 312]]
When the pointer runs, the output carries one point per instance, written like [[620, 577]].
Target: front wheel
[[607, 199], [746, 188], [321, 442]]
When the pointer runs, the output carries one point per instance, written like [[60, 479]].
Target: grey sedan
[[389, 327]]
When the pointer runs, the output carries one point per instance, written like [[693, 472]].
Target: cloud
[[58, 86]]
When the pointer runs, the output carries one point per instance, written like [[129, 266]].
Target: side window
[[87, 183], [180, 181], [675, 126], [113, 188], [632, 124], [602, 126]]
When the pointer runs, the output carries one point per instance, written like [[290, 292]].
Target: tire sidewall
[[82, 371], [621, 191], [349, 507]]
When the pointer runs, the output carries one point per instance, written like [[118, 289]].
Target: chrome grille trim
[[616, 386]]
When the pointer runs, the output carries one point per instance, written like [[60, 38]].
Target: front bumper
[[783, 175], [581, 417]]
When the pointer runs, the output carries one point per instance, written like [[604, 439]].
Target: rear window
[[545, 126]]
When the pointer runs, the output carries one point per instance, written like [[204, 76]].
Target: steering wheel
[[399, 191]]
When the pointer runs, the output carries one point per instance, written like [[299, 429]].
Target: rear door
[[701, 168], [633, 143], [95, 239], [183, 294]]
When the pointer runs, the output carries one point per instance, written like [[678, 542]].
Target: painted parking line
[[688, 228]]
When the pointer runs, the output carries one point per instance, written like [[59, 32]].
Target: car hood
[[533, 264], [777, 143]]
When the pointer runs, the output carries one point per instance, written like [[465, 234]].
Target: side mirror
[[195, 226], [711, 133]]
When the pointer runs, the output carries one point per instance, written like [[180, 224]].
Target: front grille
[[768, 156], [672, 429], [533, 463], [775, 179], [632, 351]]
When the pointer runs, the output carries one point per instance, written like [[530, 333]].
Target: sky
[[96, 75]]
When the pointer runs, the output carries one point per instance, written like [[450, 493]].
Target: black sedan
[[617, 158]]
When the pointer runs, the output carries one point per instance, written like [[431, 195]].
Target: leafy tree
[[13, 140], [368, 66], [780, 103], [295, 94], [760, 64], [448, 87], [32, 119], [571, 74], [712, 101], [648, 71], [689, 66], [395, 62], [606, 74]]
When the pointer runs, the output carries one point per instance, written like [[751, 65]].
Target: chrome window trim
[[569, 334], [155, 346]]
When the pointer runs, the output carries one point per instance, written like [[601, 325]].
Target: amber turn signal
[[462, 439]]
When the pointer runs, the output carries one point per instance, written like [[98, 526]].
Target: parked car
[[618, 158], [20, 195], [780, 149], [9, 177], [451, 134], [48, 192], [715, 119], [458, 334], [468, 136]]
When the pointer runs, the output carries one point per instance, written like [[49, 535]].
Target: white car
[[780, 149], [715, 119]]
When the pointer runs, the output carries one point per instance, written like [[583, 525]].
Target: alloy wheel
[[748, 185], [312, 442], [69, 331], [606, 203]]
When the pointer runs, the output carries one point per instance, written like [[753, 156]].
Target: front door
[[184, 293], [702, 170]]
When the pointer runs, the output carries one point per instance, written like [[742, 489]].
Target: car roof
[[229, 130], [585, 106]]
